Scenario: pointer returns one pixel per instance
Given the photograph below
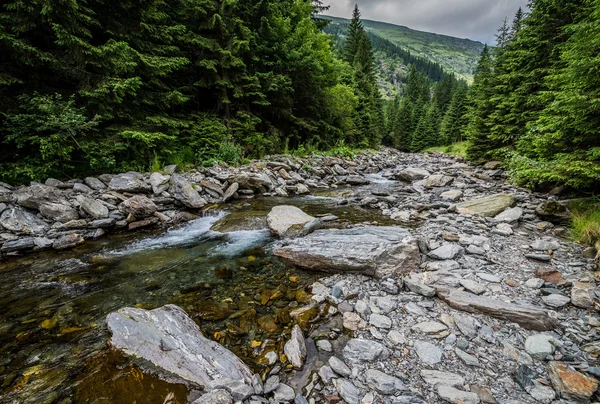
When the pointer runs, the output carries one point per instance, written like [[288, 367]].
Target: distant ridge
[[458, 55]]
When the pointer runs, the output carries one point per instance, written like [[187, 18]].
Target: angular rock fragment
[[489, 206], [287, 221]]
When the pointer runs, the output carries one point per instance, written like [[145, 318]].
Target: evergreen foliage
[[117, 85]]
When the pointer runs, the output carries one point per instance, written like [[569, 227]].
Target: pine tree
[[480, 108], [354, 36], [455, 119]]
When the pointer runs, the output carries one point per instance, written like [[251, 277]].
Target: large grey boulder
[[139, 206], [92, 207], [129, 182], [251, 181], [159, 182], [438, 181], [528, 317], [412, 174], [170, 340], [58, 212], [185, 193], [488, 207], [382, 252], [19, 244], [19, 220], [94, 183], [33, 196], [287, 221]]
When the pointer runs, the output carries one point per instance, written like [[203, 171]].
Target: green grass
[[456, 149], [585, 223]]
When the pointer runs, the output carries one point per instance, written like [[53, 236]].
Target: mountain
[[455, 55]]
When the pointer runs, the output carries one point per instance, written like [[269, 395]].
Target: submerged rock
[[383, 252], [489, 207], [167, 338], [287, 221]]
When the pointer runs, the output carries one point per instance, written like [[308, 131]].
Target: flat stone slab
[[489, 207], [528, 317], [287, 221], [382, 252], [171, 341]]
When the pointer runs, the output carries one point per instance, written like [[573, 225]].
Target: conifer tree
[[480, 108], [455, 120]]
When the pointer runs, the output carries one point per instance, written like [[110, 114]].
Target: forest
[[108, 86]]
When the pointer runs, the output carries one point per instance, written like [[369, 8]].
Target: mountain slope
[[454, 54]]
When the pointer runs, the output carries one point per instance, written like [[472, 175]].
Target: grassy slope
[[454, 54]]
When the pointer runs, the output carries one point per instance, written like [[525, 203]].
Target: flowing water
[[53, 337]]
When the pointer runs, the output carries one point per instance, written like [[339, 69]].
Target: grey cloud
[[474, 19]]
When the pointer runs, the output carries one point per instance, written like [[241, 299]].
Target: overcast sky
[[473, 19]]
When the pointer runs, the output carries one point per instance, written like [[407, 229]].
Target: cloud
[[473, 19]]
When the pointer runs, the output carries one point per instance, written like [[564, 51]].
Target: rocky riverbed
[[470, 293]]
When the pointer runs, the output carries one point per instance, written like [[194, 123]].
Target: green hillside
[[454, 54]]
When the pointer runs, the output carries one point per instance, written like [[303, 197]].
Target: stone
[[94, 183], [80, 188], [510, 215], [383, 252], [58, 212], [539, 257], [362, 350], [428, 353], [429, 327], [556, 301], [436, 378], [446, 252], [324, 345], [239, 390], [347, 390], [257, 384], [545, 244], [553, 211], [251, 181], [542, 394], [19, 220], [452, 395], [218, 396], [35, 195], [489, 207], [472, 286], [380, 321], [570, 384], [467, 325], [167, 338], [139, 206], [489, 277], [528, 317], [383, 383], [493, 165], [534, 283], [412, 174], [284, 393], [468, 359], [184, 192], [295, 348], [539, 346], [271, 384], [352, 321], [417, 287], [92, 207], [129, 182], [452, 195], [339, 367], [438, 181], [396, 338], [300, 399], [230, 191], [67, 242], [287, 221], [357, 180], [503, 229], [326, 374], [159, 183], [19, 244], [582, 294]]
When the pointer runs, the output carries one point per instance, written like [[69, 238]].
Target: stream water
[[53, 338]]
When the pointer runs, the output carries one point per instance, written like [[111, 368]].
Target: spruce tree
[[455, 119], [480, 108]]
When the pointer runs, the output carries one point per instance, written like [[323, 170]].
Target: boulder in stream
[[488, 207], [287, 221], [383, 252], [170, 340]]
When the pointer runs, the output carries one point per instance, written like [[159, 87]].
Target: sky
[[473, 19]]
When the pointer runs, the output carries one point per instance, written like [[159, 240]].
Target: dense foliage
[[536, 99], [93, 86]]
